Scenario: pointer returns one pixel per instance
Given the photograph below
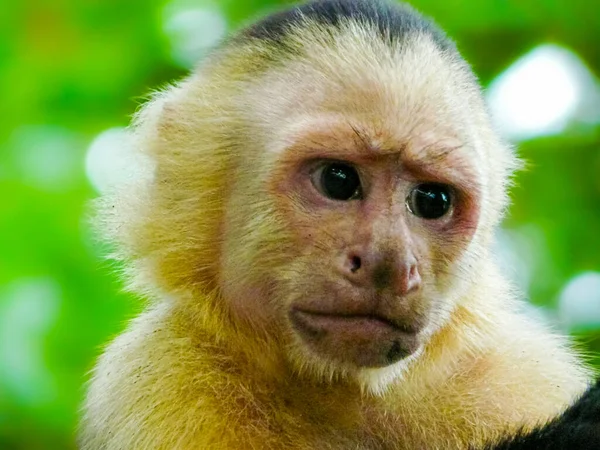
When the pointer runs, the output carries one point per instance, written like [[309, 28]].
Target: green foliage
[[71, 69]]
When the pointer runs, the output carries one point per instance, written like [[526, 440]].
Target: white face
[[375, 198]]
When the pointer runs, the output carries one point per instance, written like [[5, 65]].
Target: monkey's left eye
[[338, 181], [429, 200]]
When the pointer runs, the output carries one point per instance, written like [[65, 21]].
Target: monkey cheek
[[359, 342]]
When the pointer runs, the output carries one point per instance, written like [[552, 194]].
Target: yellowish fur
[[189, 374]]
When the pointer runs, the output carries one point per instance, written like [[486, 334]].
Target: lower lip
[[356, 325], [361, 340]]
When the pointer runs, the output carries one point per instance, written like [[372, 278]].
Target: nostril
[[414, 279], [355, 264]]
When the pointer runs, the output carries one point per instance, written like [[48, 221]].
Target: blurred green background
[[73, 72]]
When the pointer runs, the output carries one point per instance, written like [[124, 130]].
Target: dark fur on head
[[394, 21]]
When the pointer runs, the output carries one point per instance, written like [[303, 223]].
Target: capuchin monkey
[[315, 244]]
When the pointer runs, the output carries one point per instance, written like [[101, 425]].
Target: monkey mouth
[[362, 340]]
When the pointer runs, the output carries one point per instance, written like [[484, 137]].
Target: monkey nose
[[381, 271]]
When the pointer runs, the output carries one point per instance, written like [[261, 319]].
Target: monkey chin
[[371, 347]]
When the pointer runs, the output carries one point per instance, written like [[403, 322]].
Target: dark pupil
[[430, 201], [340, 181]]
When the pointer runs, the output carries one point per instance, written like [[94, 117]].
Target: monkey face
[[377, 195], [369, 232], [376, 230]]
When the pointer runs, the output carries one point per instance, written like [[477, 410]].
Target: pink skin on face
[[371, 263]]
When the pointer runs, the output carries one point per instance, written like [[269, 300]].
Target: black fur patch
[[394, 20], [578, 428], [396, 352]]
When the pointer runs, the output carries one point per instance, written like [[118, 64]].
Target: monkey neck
[[472, 331], [257, 363], [246, 349]]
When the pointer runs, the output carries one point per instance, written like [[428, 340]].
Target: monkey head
[[374, 185], [336, 185]]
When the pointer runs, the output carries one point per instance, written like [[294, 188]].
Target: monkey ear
[[152, 119], [165, 228], [159, 129]]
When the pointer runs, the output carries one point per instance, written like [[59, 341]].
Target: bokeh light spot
[[192, 28], [579, 302], [540, 93], [111, 161], [28, 309], [46, 156]]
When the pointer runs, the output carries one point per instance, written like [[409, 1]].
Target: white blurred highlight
[[579, 302], [28, 309], [192, 28], [46, 156], [541, 93], [111, 161]]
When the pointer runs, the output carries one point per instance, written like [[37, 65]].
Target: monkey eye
[[337, 181], [429, 200]]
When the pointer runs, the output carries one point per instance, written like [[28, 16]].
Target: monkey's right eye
[[337, 181]]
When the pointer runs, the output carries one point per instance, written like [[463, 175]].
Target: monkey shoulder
[[149, 389], [577, 428]]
